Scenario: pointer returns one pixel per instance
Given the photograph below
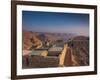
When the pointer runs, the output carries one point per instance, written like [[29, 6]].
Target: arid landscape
[[54, 39], [44, 49]]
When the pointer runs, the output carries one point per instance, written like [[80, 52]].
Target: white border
[[21, 71]]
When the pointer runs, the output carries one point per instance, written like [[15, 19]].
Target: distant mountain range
[[81, 38], [36, 38]]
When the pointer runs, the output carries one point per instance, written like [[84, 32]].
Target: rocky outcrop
[[31, 40], [80, 50]]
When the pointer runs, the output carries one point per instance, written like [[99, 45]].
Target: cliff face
[[30, 40], [80, 50]]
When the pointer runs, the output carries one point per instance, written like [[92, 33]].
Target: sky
[[56, 22]]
